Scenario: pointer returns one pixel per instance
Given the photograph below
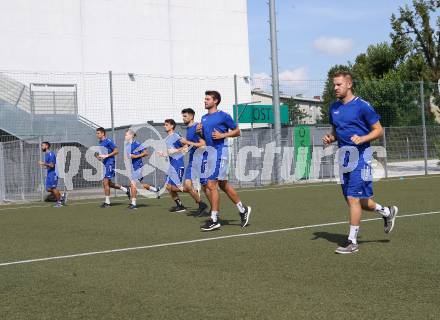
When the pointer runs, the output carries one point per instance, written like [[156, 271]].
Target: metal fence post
[[236, 141], [236, 98], [40, 140], [23, 180], [275, 86], [2, 175], [112, 119], [425, 143], [386, 151]]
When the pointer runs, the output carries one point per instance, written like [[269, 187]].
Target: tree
[[413, 36], [388, 75], [416, 40], [376, 62], [394, 98], [295, 113]]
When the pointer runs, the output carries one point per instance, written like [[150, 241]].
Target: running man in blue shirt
[[196, 161], [107, 154], [135, 152], [354, 125], [215, 127], [49, 163], [176, 170]]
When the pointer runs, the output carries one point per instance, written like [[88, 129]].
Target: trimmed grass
[[284, 275]]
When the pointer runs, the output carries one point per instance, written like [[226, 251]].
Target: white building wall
[[164, 38]]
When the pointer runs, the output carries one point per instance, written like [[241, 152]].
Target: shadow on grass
[[224, 222], [341, 239], [230, 222], [195, 214], [117, 204]]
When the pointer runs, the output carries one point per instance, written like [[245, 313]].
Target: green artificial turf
[[291, 274]]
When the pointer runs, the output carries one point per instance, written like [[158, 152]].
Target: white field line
[[170, 244], [314, 185]]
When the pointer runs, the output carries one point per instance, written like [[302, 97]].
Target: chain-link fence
[[65, 109]]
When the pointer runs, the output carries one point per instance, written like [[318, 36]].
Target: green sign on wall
[[259, 113], [303, 152]]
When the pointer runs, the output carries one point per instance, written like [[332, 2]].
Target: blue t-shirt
[[50, 158], [193, 136], [220, 121], [109, 146], [136, 148], [173, 142], [353, 118]]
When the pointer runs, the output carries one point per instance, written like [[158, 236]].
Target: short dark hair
[[100, 129], [171, 122], [215, 95], [343, 73], [47, 143], [189, 111]]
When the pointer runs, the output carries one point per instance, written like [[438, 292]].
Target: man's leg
[[117, 186], [188, 187], [57, 195], [212, 187], [388, 213], [202, 210], [149, 187], [106, 186], [354, 218], [109, 175], [233, 196], [214, 199], [173, 191], [206, 192], [355, 214], [133, 194], [213, 193]]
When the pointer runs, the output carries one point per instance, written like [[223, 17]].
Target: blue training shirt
[[109, 145], [220, 121], [191, 135], [136, 148], [353, 118], [173, 142], [50, 157]]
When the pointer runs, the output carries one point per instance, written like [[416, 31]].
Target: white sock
[[152, 189], [384, 211], [214, 216], [133, 201], [241, 208], [123, 188], [107, 199], [353, 234]]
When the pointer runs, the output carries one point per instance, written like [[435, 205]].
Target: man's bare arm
[[375, 133], [329, 138]]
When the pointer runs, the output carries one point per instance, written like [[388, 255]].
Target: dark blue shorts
[[109, 170], [189, 172], [218, 165], [136, 175], [204, 181], [358, 183], [51, 180], [175, 176]]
